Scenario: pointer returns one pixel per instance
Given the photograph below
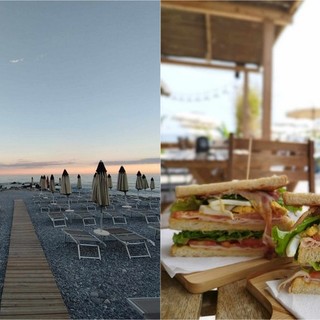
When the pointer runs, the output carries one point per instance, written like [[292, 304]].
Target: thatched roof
[[228, 31]]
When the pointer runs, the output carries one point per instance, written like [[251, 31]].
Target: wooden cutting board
[[198, 282], [257, 287]]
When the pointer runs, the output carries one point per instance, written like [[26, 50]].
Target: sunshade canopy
[[305, 113]]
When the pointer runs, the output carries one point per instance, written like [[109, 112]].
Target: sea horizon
[[86, 180]]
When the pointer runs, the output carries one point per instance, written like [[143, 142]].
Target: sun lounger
[[84, 240], [149, 215], [117, 218], [149, 307], [58, 219], [156, 231], [88, 218], [131, 240]]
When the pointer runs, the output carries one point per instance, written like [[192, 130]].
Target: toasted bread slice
[[265, 184]]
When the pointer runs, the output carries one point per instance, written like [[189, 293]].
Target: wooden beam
[[208, 65], [230, 10], [209, 38], [268, 41]]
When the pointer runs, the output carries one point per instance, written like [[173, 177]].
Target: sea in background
[[16, 181]]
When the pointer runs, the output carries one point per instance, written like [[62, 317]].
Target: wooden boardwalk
[[30, 290]]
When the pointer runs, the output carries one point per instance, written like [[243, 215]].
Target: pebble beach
[[90, 288]]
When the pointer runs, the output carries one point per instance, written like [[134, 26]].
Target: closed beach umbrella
[[109, 181], [66, 185], [47, 182], [79, 183], [139, 184], [152, 186], [122, 183], [42, 183], [52, 187], [145, 182], [100, 191], [93, 180]]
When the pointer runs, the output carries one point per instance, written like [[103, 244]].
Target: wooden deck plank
[[30, 290]]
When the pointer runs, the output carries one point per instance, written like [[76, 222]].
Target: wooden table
[[204, 171], [233, 302]]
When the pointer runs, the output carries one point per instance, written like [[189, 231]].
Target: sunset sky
[[79, 83]]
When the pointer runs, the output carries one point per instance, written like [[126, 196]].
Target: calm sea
[[86, 180]]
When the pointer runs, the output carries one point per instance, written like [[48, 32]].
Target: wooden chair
[[296, 160]]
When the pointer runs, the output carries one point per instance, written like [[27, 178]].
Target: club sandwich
[[231, 218], [302, 242]]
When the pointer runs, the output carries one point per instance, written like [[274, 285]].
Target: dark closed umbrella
[[152, 186], [109, 180], [52, 187], [79, 183]]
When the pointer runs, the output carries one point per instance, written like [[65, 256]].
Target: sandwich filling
[[308, 275], [258, 210], [302, 243]]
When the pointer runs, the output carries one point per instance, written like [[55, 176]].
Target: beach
[[90, 288]]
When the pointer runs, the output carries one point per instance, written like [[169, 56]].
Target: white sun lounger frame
[[84, 239], [129, 239]]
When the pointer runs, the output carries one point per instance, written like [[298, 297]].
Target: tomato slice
[[252, 243], [315, 274]]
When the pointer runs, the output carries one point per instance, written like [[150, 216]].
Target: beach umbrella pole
[[101, 219], [68, 201]]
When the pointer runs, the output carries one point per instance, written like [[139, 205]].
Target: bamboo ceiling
[[226, 31]]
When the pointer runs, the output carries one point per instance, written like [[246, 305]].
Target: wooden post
[[268, 40], [245, 107]]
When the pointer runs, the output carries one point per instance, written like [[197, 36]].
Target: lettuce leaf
[[187, 204], [183, 237], [282, 238], [315, 265], [293, 209]]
